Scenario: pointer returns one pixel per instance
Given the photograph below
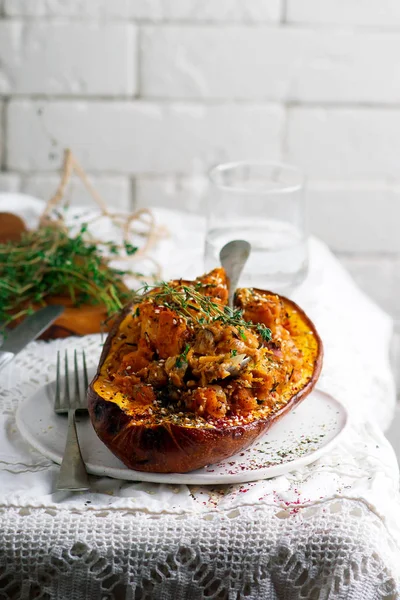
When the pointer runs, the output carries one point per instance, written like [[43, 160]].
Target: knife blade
[[28, 331]]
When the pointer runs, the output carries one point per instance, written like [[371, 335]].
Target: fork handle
[[73, 475]]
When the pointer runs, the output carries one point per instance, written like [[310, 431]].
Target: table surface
[[332, 525]]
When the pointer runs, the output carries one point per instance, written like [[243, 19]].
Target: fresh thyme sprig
[[181, 359], [49, 261], [202, 310]]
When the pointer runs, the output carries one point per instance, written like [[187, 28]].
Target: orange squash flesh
[[168, 438]]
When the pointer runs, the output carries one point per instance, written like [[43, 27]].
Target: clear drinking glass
[[264, 204]]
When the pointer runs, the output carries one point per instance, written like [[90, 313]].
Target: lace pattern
[[248, 554]]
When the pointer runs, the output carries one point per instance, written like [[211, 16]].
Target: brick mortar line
[[5, 136], [129, 20], [331, 105], [313, 184], [278, 24], [65, 19], [125, 179], [56, 172], [285, 151], [133, 193], [284, 12], [207, 102], [393, 256], [139, 72], [43, 97]]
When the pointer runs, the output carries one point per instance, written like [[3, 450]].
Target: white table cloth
[[328, 530]]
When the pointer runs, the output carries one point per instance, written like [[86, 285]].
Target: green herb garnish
[[264, 331], [182, 357], [185, 299], [242, 334], [50, 262]]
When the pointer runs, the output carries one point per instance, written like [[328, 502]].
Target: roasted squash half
[[184, 381]]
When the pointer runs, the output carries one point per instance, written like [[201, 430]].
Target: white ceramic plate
[[299, 438]]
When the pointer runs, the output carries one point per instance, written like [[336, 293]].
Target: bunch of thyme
[[198, 309], [47, 262]]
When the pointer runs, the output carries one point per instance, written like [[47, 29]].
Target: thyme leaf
[[264, 332], [49, 261], [197, 309], [182, 357]]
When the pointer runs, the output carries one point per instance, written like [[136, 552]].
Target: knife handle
[[5, 358]]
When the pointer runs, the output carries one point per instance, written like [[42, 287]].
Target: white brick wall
[[184, 193], [9, 182], [82, 9], [139, 137], [61, 58], [150, 93], [368, 13], [222, 11], [269, 63], [345, 143], [356, 217], [114, 190], [2, 133]]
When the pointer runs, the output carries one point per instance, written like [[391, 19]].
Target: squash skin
[[171, 448]]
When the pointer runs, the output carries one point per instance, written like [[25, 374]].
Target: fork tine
[[85, 375], [77, 397], [72, 474], [67, 399], [57, 397]]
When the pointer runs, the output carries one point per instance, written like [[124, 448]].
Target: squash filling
[[181, 354]]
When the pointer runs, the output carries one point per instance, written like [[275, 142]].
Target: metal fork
[[73, 475]]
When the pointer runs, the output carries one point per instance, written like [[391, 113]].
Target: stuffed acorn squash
[[185, 381]]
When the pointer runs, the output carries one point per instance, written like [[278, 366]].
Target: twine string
[[140, 222]]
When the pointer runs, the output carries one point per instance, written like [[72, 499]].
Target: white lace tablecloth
[[329, 530]]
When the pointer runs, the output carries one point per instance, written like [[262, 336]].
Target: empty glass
[[262, 203]]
